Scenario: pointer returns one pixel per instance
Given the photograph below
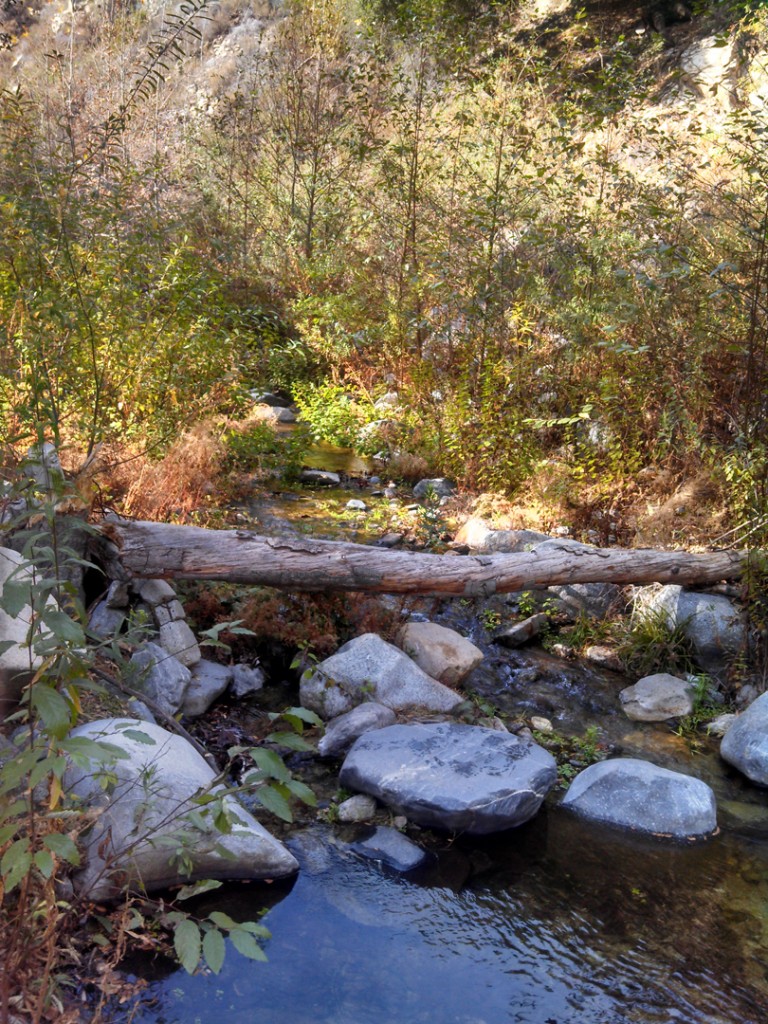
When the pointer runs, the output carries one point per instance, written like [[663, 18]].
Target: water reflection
[[556, 925]]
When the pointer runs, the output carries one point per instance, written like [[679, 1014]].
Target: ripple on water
[[558, 924]]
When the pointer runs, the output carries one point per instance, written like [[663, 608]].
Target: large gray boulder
[[637, 795], [442, 653], [657, 698], [208, 682], [459, 777], [368, 668], [713, 623], [150, 833], [745, 744]]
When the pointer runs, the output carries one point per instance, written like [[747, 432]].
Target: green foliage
[[651, 644], [262, 449], [333, 414]]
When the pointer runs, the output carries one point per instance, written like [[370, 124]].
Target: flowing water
[[557, 922]]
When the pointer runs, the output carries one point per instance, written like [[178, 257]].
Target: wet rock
[[209, 681], [603, 656], [369, 668], [638, 795], [356, 808], [391, 848], [160, 676], [178, 639], [712, 623], [145, 816], [452, 776], [442, 653], [342, 732], [246, 680], [657, 698], [719, 726], [745, 744], [442, 487], [105, 622], [320, 478], [118, 595], [521, 632]]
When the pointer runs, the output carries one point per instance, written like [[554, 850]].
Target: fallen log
[[153, 550]]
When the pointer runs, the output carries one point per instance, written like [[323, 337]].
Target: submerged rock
[[368, 668], [389, 847], [452, 776], [657, 698], [745, 744], [149, 817], [637, 795], [442, 653]]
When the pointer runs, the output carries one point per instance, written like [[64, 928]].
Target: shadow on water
[[556, 923]]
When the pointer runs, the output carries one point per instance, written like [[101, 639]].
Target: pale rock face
[[18, 663], [745, 744], [442, 653], [144, 821]]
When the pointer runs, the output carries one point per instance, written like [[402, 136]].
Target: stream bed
[[557, 922]]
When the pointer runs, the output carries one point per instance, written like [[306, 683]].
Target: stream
[[557, 922]]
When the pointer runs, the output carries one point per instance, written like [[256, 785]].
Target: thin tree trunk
[[151, 550]]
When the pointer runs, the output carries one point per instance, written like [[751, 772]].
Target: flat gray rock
[[357, 808], [521, 632], [105, 622], [390, 847], [178, 639], [657, 698], [341, 732], [441, 486], [595, 600], [459, 777], [148, 814], [745, 744], [160, 677], [320, 478], [368, 668], [637, 795], [209, 680]]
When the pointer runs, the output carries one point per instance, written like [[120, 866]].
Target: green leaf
[[63, 847], [222, 920], [289, 740], [8, 832], [256, 929], [246, 944], [188, 944], [275, 802], [16, 862], [65, 629], [204, 885], [302, 792], [213, 949], [270, 763], [304, 714], [138, 736], [44, 863], [16, 595], [55, 710]]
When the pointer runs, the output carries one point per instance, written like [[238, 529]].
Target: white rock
[[145, 817]]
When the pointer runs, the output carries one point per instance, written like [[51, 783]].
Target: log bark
[[150, 550]]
